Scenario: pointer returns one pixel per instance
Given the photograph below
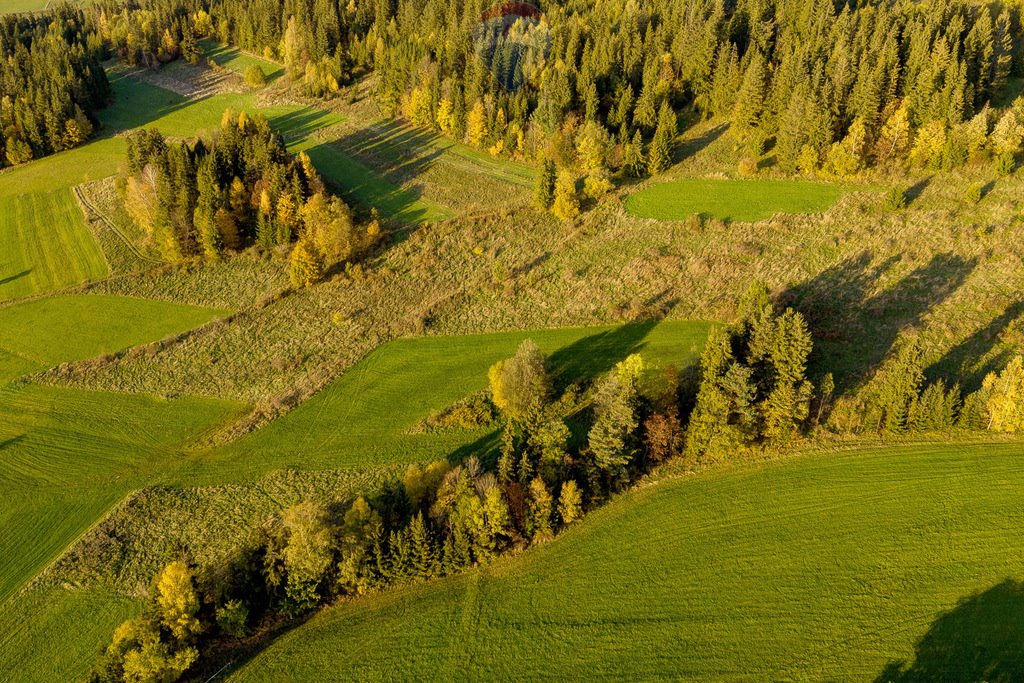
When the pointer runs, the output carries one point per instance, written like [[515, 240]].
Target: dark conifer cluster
[[51, 83]]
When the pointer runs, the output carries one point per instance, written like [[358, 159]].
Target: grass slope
[[70, 454], [820, 568], [732, 200], [232, 58], [364, 418], [44, 245], [46, 332]]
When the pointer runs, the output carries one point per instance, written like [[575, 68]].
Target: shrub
[[748, 167], [233, 617], [896, 199], [254, 76]]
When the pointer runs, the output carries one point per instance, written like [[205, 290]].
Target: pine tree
[[544, 193], [570, 502], [659, 157], [538, 514]]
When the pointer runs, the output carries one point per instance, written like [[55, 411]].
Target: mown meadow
[[898, 563]]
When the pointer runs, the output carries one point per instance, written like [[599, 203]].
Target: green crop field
[[364, 418], [828, 567], [43, 333], [43, 245], [232, 58], [732, 200]]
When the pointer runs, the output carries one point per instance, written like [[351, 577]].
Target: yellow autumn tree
[[179, 605], [1005, 404], [476, 125]]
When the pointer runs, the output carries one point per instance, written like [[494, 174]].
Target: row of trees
[[564, 449], [51, 84], [237, 188]]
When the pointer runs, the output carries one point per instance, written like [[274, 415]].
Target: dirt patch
[[191, 81]]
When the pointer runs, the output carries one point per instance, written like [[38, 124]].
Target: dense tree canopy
[[51, 83]]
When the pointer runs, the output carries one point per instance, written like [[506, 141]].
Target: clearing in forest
[[732, 199]]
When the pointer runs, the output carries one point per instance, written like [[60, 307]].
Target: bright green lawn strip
[[732, 200], [821, 568], [46, 332], [232, 58], [365, 416], [68, 455]]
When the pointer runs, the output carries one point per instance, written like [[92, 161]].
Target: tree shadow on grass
[[981, 639], [917, 189], [969, 361], [854, 329], [695, 146], [16, 276]]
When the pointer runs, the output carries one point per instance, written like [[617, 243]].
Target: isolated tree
[[520, 386]]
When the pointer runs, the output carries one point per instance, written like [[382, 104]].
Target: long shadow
[[981, 639], [917, 189], [961, 363], [299, 124], [361, 185], [16, 276], [854, 331], [699, 144], [590, 356], [398, 152], [133, 108]]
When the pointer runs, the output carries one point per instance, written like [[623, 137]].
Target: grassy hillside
[[43, 333], [69, 455], [731, 199], [44, 244], [818, 568]]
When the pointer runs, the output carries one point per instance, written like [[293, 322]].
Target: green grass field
[[364, 418], [732, 200], [827, 567], [232, 58], [12, 6], [69, 455], [43, 333]]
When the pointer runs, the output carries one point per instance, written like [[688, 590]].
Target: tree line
[[566, 446], [239, 187], [51, 83]]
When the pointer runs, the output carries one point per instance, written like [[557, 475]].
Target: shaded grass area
[[232, 58], [43, 333], [732, 200], [842, 567], [364, 418]]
